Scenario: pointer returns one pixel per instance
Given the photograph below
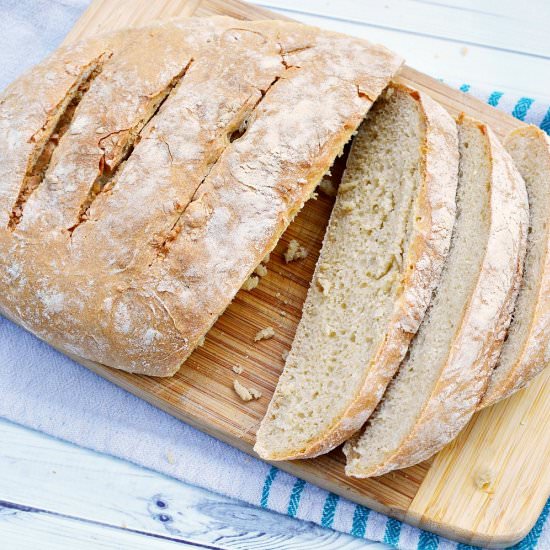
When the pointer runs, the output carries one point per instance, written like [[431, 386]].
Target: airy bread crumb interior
[[407, 394], [528, 155], [356, 282]]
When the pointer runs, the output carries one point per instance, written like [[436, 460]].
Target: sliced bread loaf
[[526, 349], [443, 377], [381, 258], [145, 176]]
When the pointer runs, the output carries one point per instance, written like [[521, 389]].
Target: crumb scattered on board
[[200, 343], [256, 394], [251, 282], [484, 478], [264, 334], [237, 370], [327, 187], [246, 394], [261, 270], [284, 355], [294, 251]]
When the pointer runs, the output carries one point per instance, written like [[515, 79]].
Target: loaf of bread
[[526, 349], [381, 258], [146, 173], [440, 383]]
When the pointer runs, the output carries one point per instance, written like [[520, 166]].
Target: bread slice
[[526, 349], [147, 173], [441, 381], [382, 255]]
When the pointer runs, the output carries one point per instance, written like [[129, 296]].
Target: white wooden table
[[56, 495]]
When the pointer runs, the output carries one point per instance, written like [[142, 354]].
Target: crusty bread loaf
[[441, 381], [146, 173], [381, 258], [526, 349]]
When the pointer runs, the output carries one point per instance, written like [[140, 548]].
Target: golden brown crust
[[482, 328], [427, 250], [533, 356], [147, 223]]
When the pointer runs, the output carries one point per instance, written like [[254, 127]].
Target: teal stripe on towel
[[295, 496], [428, 541], [466, 547], [545, 124], [271, 475], [531, 540], [494, 98], [329, 509], [393, 530], [360, 518], [522, 106]]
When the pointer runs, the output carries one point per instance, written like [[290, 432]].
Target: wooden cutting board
[[509, 443]]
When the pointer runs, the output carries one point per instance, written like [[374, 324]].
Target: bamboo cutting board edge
[[432, 489]]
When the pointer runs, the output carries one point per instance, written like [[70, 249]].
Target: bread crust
[[134, 275], [474, 350], [435, 214], [534, 354]]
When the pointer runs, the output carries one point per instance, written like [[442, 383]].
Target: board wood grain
[[487, 487]]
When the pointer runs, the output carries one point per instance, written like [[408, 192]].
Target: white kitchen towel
[[44, 390]]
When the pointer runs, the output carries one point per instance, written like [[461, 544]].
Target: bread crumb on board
[[256, 394], [284, 355], [261, 270], [294, 251], [264, 334], [484, 478], [200, 341], [251, 282], [237, 369], [327, 187], [246, 394]]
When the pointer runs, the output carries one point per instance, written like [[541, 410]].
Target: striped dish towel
[[45, 390]]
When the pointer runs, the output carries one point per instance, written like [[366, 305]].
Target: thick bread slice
[[146, 174], [526, 349], [382, 255], [441, 381]]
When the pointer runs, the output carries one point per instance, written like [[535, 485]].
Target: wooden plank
[[27, 528], [477, 27], [202, 395], [44, 473]]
